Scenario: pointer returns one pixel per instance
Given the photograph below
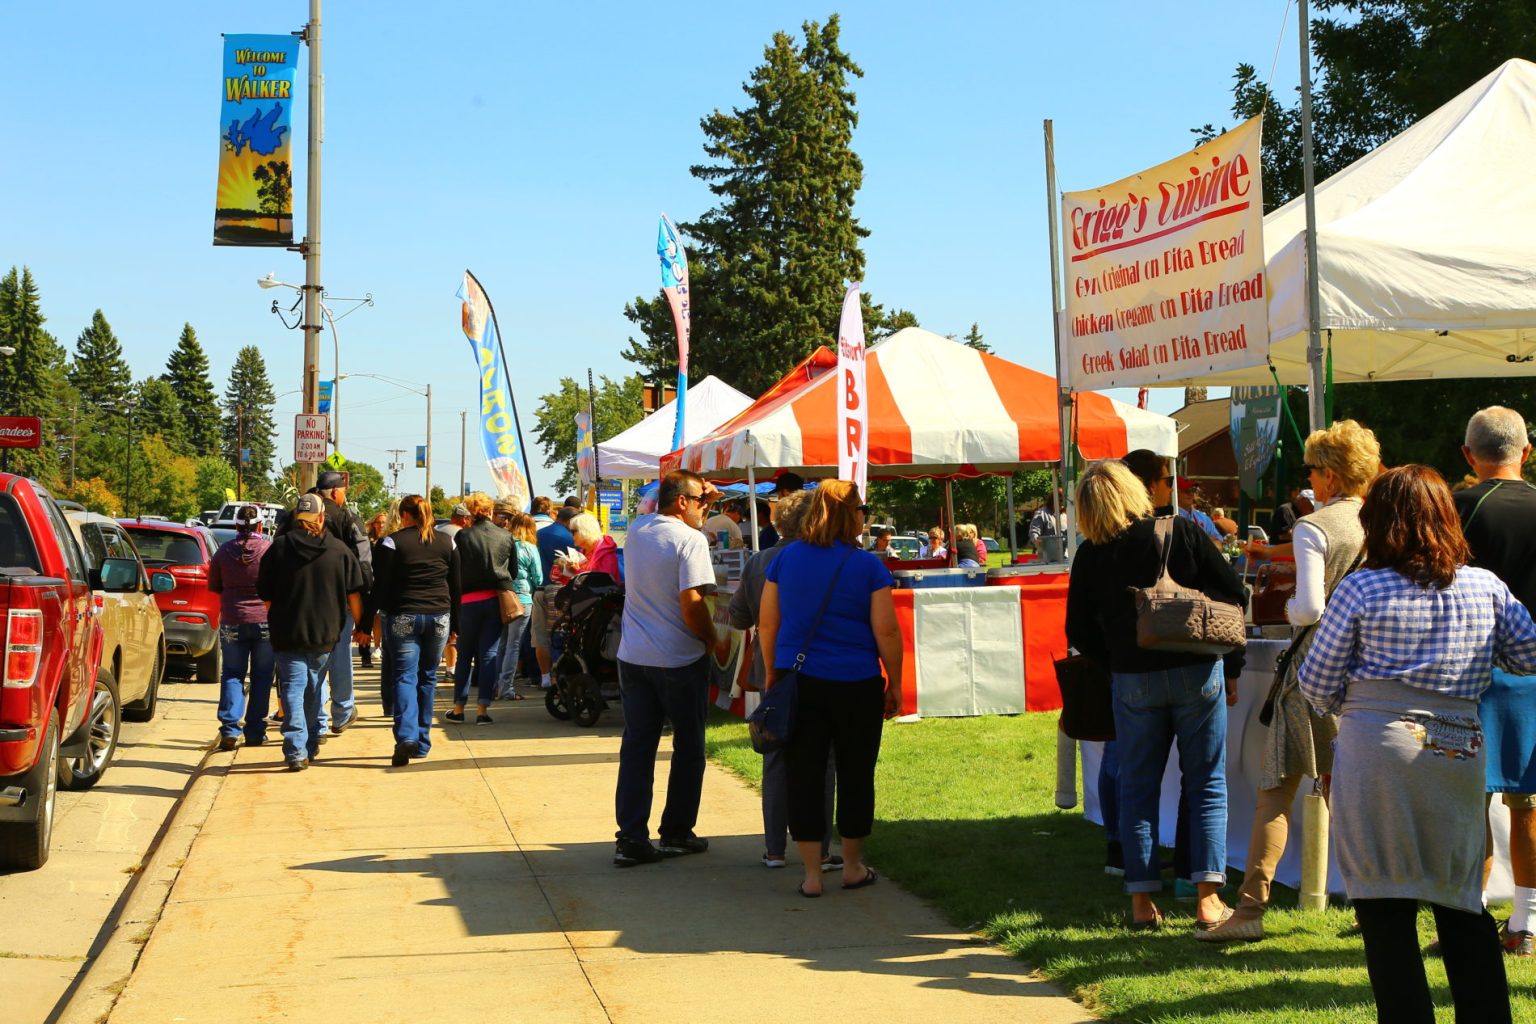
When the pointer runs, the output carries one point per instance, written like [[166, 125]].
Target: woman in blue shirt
[[842, 696]]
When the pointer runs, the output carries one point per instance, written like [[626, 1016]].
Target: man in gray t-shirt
[[668, 630]]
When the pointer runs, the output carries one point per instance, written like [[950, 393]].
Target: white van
[[267, 510]]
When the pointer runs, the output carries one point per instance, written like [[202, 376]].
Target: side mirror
[[119, 575], [161, 582]]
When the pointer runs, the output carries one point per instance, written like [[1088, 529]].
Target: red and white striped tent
[[937, 408]]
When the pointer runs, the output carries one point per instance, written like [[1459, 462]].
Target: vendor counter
[[967, 651], [1245, 745]]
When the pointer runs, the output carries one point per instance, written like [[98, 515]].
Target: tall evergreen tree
[[770, 262], [973, 338], [248, 402], [100, 374], [31, 380], [160, 412], [187, 373]]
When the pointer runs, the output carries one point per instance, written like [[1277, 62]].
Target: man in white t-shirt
[[729, 520], [668, 630]]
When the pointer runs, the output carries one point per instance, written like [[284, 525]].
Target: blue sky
[[536, 144]]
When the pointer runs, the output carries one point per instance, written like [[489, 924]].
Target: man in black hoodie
[[312, 585], [345, 526]]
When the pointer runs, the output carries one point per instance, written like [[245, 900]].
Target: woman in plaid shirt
[[1402, 655]]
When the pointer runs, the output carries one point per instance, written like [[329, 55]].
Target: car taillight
[[192, 618], [23, 647]]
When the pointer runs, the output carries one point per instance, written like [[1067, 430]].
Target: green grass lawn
[[966, 820]]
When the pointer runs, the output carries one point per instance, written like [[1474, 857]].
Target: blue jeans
[[416, 644], [298, 678], [246, 647], [652, 696], [479, 632], [336, 678], [512, 636], [1153, 710]]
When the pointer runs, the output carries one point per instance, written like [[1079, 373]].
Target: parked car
[[269, 513], [53, 695], [133, 632], [190, 612], [905, 547]]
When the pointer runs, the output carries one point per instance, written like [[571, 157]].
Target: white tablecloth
[[1245, 739]]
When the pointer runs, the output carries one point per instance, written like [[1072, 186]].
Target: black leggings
[[1474, 963], [845, 718]]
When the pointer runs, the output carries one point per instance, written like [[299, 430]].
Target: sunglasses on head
[[864, 509]]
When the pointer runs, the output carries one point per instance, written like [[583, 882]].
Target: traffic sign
[[311, 435], [21, 432], [336, 460]]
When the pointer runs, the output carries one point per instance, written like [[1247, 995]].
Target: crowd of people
[[1405, 695]]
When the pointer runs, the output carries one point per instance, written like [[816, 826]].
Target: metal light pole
[[404, 386], [463, 436], [429, 445], [311, 245], [1316, 374]]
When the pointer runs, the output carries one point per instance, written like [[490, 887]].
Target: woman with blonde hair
[[485, 565], [965, 546], [1159, 696], [1341, 462], [827, 614], [418, 584]]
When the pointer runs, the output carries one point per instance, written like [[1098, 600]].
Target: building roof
[[1201, 421]]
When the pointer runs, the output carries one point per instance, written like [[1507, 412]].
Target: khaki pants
[[1266, 843]]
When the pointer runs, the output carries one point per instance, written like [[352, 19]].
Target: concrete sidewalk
[[478, 886]]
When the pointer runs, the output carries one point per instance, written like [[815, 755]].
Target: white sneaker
[[771, 861]]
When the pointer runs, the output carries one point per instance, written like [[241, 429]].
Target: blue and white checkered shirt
[[1381, 625]]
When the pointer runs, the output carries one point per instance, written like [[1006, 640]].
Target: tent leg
[[752, 503], [1013, 526], [949, 516]]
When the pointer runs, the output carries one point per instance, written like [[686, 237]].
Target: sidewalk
[[478, 886]]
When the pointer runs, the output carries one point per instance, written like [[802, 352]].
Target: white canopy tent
[[637, 452], [1427, 249]]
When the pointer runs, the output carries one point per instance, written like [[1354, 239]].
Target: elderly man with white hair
[[1496, 516]]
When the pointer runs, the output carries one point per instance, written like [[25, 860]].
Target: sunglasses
[[693, 497], [864, 509], [1309, 469]]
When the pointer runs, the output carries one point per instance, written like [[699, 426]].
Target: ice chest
[[1014, 575], [923, 579]]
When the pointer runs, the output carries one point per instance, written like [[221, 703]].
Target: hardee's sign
[[1165, 269], [21, 432]]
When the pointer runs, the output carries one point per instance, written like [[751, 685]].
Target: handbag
[[1170, 617], [1283, 663], [510, 607], [773, 720], [1087, 707]]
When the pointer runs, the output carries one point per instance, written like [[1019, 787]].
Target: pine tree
[[160, 412], [769, 264], [99, 373], [187, 374], [973, 339], [31, 380], [248, 402]]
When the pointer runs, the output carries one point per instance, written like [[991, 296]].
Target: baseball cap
[[1306, 492], [309, 506], [507, 508], [1187, 486], [247, 514], [331, 478], [461, 510]]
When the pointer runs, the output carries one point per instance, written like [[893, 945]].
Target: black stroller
[[586, 673]]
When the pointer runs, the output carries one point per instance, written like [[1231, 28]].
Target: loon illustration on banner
[[674, 283], [254, 201], [501, 436]]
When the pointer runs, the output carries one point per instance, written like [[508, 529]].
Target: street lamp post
[[271, 281]]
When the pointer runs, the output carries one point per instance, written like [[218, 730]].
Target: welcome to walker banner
[[674, 284], [852, 396], [1165, 269], [254, 202], [500, 434]]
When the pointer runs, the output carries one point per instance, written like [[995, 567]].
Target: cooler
[[926, 579]]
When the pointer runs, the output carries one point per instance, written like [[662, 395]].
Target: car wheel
[[210, 667], [144, 710], [24, 844], [100, 730]]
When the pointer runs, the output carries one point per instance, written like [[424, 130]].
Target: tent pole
[[1317, 386], [1064, 390], [752, 503], [1013, 526], [949, 516]]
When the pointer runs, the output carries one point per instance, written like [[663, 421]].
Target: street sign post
[[311, 436]]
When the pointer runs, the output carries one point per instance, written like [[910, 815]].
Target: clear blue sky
[[536, 144]]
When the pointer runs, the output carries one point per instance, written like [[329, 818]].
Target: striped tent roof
[[936, 408]]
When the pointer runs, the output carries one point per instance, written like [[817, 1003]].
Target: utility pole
[[74, 441], [311, 245], [239, 451], [429, 445], [463, 435], [394, 468]]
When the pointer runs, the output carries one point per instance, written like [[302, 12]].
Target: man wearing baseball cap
[[312, 585], [1187, 491], [343, 524]]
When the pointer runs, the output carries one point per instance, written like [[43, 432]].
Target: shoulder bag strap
[[826, 600]]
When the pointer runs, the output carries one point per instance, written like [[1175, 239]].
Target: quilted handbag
[[1172, 618]]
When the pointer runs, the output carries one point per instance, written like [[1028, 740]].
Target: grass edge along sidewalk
[[965, 819]]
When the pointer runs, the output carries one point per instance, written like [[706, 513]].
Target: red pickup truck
[[52, 655]]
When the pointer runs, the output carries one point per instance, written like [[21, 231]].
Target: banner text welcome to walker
[[1165, 269], [254, 204]]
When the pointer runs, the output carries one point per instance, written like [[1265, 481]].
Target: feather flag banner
[[853, 396], [501, 437], [674, 284]]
